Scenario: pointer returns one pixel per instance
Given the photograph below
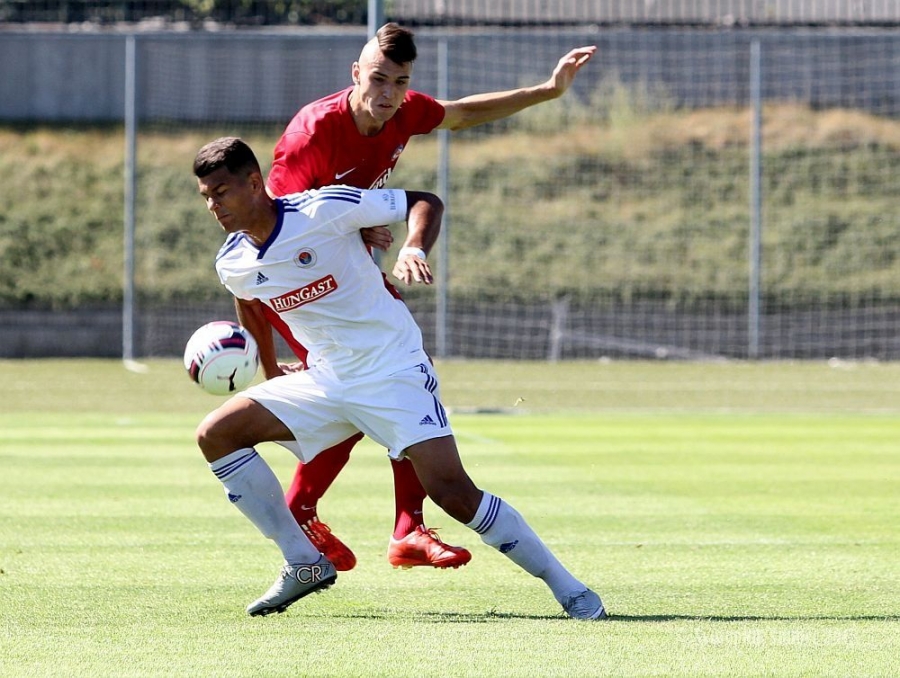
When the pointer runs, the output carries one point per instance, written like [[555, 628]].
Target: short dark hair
[[396, 43], [229, 152]]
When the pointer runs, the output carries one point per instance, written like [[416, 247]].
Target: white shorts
[[396, 411]]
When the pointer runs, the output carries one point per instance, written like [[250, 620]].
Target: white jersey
[[316, 273]]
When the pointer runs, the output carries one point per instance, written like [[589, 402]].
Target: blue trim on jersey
[[273, 236], [233, 240], [236, 239], [302, 200]]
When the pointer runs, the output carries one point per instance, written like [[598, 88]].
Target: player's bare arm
[[250, 315], [481, 108], [423, 219]]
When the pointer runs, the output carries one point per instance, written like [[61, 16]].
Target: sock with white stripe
[[251, 485], [503, 528]]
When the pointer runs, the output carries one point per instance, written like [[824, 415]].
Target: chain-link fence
[[614, 222]]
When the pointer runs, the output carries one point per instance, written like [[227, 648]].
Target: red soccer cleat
[[423, 548], [330, 546]]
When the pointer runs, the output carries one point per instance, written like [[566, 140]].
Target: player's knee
[[209, 437], [458, 501]]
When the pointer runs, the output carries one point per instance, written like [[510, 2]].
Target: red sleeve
[[296, 166], [424, 113]]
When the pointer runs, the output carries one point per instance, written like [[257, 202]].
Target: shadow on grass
[[493, 616], [453, 617], [750, 618]]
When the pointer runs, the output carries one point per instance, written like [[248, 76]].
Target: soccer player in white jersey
[[303, 257]]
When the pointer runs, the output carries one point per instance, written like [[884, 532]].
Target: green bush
[[633, 200]]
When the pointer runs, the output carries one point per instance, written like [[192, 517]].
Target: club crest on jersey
[[305, 258], [397, 153], [304, 295]]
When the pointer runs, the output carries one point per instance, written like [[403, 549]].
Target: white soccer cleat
[[294, 582], [585, 605]]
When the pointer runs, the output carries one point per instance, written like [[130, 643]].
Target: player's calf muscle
[[445, 480]]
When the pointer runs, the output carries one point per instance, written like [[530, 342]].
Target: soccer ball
[[222, 357]]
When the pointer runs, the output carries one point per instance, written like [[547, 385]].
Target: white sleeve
[[374, 208], [236, 293], [229, 285]]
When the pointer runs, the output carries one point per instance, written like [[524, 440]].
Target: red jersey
[[321, 145]]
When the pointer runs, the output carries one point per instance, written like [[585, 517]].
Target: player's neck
[[366, 125], [264, 223]]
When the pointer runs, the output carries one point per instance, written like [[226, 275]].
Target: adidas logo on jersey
[[427, 421], [260, 278]]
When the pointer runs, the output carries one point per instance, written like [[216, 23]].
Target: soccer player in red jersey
[[355, 137]]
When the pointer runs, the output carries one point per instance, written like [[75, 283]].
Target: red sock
[[409, 496], [312, 479]]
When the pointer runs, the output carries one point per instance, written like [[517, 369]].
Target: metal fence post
[[128, 295], [443, 179], [753, 310], [376, 17]]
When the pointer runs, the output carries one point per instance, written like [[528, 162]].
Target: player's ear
[[354, 72]]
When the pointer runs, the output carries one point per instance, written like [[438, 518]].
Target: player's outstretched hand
[[379, 237], [411, 268], [568, 66]]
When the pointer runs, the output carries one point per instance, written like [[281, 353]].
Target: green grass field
[[738, 520]]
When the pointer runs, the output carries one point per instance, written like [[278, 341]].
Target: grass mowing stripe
[[724, 544]]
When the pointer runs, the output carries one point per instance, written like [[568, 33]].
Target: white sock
[[503, 528], [251, 485]]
